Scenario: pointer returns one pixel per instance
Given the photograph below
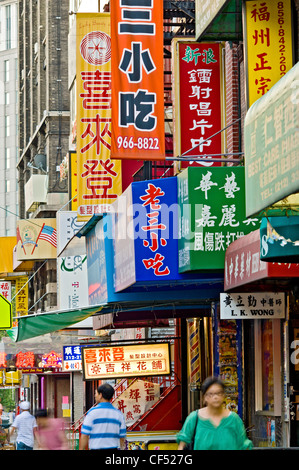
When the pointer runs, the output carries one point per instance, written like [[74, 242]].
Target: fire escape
[[178, 21]]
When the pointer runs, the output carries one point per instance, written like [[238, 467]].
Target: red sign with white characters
[[200, 101]]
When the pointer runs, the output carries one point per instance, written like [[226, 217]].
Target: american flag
[[49, 234]]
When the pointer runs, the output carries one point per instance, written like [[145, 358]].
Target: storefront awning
[[30, 326]]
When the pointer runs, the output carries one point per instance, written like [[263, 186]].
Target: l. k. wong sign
[[248, 306], [126, 361]]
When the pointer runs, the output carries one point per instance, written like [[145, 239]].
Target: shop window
[[267, 367]]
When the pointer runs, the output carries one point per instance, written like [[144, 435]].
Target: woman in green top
[[216, 427]]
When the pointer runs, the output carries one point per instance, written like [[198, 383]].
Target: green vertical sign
[[211, 215]]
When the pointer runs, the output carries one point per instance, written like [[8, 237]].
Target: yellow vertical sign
[[21, 296], [268, 44], [99, 177]]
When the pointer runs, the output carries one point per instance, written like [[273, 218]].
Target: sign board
[[198, 101], [21, 296], [268, 44], [137, 399], [212, 215], [243, 264], [5, 314], [99, 178], [36, 239], [5, 289], [280, 239], [71, 358], [139, 360], [71, 270], [271, 142], [248, 306]]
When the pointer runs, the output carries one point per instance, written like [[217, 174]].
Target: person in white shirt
[[26, 427]]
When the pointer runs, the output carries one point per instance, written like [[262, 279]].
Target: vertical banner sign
[[268, 44], [137, 80], [21, 296], [198, 107], [99, 178]]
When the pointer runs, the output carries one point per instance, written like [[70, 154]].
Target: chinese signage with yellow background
[[99, 177], [21, 296], [36, 239], [126, 361], [268, 44]]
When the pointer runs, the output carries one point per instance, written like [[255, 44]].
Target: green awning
[[30, 326]]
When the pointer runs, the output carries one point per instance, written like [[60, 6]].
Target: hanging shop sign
[[96, 265], [36, 239], [5, 313], [5, 289], [137, 80], [99, 178], [268, 45], [155, 229], [279, 238], [52, 360], [198, 101], [272, 145], [248, 306], [72, 281], [139, 360], [71, 358], [7, 245], [212, 215], [21, 296], [243, 264]]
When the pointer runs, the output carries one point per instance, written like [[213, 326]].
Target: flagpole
[[38, 238]]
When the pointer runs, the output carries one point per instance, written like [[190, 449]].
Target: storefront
[[268, 315]]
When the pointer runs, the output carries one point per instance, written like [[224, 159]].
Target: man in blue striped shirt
[[104, 426]]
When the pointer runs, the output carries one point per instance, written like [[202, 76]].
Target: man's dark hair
[[106, 390]]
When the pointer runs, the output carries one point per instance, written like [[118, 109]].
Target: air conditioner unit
[[36, 190]]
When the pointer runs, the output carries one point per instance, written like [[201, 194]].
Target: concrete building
[[8, 117], [44, 123]]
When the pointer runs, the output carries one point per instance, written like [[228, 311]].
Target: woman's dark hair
[[106, 390], [41, 413], [209, 382]]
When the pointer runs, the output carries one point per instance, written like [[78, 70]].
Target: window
[[6, 70], [7, 126], [267, 367], [7, 158], [8, 26]]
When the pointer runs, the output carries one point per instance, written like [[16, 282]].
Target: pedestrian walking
[[104, 426], [50, 432], [213, 427], [26, 427]]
